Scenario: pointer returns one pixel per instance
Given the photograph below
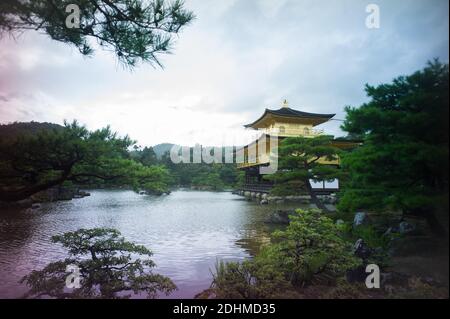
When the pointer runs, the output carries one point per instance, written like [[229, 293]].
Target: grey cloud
[[240, 57]]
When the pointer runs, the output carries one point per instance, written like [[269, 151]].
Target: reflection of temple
[[282, 123]]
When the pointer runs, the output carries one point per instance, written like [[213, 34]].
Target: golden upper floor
[[286, 122]]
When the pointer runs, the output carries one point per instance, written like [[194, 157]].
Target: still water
[[186, 230]]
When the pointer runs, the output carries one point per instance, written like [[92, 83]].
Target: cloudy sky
[[236, 59]]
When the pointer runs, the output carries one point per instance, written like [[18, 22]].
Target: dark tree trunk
[[314, 199]]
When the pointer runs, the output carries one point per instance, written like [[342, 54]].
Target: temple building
[[279, 124]]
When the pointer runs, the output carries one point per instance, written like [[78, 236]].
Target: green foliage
[[375, 239], [228, 174], [372, 237], [213, 176], [298, 163], [288, 188], [134, 29], [309, 250], [30, 163], [153, 179], [403, 163], [344, 228], [37, 156], [146, 157], [250, 280], [240, 178], [109, 268], [298, 159], [351, 199], [311, 247], [210, 180]]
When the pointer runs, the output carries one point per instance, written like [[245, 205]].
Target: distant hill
[[162, 148], [11, 131]]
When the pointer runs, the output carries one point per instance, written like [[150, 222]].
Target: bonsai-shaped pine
[[299, 163], [106, 268]]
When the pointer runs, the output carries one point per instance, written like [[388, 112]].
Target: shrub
[[310, 249], [372, 237], [251, 279]]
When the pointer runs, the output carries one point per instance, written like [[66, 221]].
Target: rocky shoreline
[[264, 198], [57, 193]]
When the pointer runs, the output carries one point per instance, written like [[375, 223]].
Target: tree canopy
[[108, 268], [30, 163], [214, 176], [403, 163], [299, 163], [135, 30], [147, 156]]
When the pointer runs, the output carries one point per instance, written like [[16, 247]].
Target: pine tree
[[403, 163], [134, 30], [300, 162]]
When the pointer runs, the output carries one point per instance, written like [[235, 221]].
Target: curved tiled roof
[[288, 112]]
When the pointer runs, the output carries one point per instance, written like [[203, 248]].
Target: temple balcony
[[265, 159], [291, 132], [255, 161]]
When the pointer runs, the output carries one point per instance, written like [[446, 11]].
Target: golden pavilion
[[282, 123]]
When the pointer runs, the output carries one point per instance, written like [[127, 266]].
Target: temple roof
[[286, 113]]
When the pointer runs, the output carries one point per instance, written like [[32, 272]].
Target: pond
[[188, 231]]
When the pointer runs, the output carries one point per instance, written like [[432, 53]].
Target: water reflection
[[187, 232]]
